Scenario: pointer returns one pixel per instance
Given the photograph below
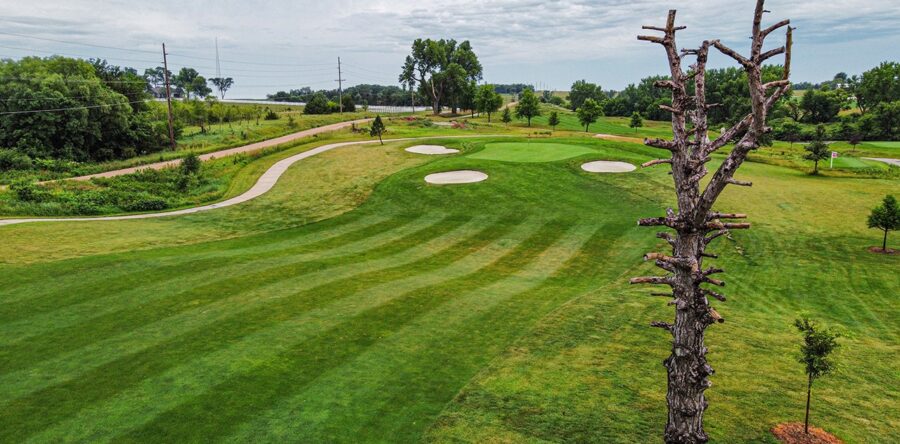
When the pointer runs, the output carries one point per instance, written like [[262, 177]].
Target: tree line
[[363, 95]]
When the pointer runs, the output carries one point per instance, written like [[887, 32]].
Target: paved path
[[231, 151], [262, 186], [895, 162], [620, 138]]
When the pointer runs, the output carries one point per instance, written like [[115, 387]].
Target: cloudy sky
[[281, 44]]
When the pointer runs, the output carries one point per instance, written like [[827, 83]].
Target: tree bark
[[884, 241], [695, 222]]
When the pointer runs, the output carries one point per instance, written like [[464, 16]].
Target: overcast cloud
[[280, 44]]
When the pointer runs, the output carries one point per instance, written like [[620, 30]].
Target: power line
[[71, 108], [77, 43]]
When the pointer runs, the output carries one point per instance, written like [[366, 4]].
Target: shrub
[[191, 164], [318, 104], [28, 192], [14, 160], [270, 115], [146, 203]]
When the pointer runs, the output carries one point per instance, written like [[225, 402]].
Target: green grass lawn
[[355, 303], [539, 151]]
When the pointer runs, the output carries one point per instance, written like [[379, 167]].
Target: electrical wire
[[33, 111]]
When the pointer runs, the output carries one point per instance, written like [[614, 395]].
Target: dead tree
[[695, 223]]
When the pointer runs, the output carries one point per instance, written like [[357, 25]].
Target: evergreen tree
[[377, 129], [506, 117], [554, 120], [817, 150], [636, 121]]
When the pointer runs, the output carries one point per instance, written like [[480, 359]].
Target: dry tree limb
[[661, 143], [718, 296], [716, 282], [741, 183], [659, 280], [715, 315], [662, 325], [656, 162], [727, 216]]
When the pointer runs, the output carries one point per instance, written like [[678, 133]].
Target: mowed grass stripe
[[59, 276], [414, 372], [127, 316], [308, 313], [22, 329], [217, 412], [171, 267], [427, 253]]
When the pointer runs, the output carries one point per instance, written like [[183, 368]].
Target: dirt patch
[[889, 251], [792, 433]]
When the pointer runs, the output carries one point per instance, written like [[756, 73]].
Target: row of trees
[[100, 111], [187, 82], [364, 94]]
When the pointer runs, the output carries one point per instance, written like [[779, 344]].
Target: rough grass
[[356, 304]]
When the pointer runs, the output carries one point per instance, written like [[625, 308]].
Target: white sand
[[454, 177], [606, 166], [431, 149]]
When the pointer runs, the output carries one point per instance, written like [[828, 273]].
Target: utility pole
[[168, 98], [340, 87], [218, 67]]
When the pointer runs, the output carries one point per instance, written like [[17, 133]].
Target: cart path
[[230, 151], [265, 183]]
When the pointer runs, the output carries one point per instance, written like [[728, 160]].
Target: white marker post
[[833, 156]]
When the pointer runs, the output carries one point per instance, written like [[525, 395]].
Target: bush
[[270, 115], [28, 192], [318, 104], [145, 203], [14, 160], [191, 164]]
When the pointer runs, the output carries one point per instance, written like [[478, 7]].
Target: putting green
[[530, 151]]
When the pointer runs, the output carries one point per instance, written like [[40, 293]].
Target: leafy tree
[[441, 68], [318, 104], [790, 131], [487, 100], [877, 85], [528, 106], [377, 129], [822, 106], [817, 150], [885, 217], [818, 344], [347, 103], [156, 79], [222, 84], [588, 113], [185, 80], [582, 90], [855, 139], [886, 117], [553, 120], [636, 121], [506, 117], [98, 123], [199, 87]]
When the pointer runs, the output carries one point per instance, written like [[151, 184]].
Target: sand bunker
[[605, 166], [431, 149], [454, 177]]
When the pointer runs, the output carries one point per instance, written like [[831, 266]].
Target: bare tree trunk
[[695, 223], [884, 241]]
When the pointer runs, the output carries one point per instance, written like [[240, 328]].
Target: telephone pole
[[340, 81], [218, 67], [168, 98]]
